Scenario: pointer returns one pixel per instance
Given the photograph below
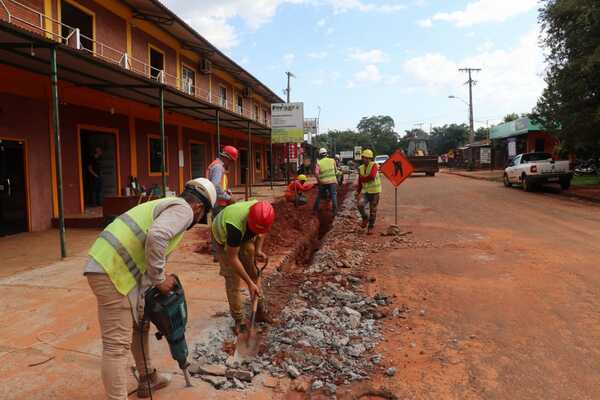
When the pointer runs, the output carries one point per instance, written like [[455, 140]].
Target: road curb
[[564, 194]]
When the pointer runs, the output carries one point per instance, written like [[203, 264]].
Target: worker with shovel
[[125, 261], [239, 231], [369, 183]]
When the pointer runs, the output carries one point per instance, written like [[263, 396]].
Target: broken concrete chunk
[[293, 372], [238, 384], [216, 381], [356, 350], [376, 359], [232, 362], [208, 369], [331, 388], [317, 385], [390, 371], [270, 382], [240, 374]]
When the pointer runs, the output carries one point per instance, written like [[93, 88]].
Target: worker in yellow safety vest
[[126, 260], [326, 174], [369, 183], [239, 231]]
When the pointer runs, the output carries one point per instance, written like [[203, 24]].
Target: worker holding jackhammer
[[239, 231], [125, 261], [369, 183]]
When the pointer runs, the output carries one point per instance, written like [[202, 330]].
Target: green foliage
[[444, 138], [482, 134], [511, 117], [376, 132], [571, 100]]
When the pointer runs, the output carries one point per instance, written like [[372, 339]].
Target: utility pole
[[471, 82], [287, 90], [287, 146]]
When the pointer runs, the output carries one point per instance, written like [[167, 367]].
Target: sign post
[[396, 169], [287, 126]]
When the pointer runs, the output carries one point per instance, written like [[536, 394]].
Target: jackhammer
[[168, 312]]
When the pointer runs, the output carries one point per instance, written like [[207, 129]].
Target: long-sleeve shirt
[[215, 174], [367, 178], [171, 217]]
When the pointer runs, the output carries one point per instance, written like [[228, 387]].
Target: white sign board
[[287, 122], [512, 147], [485, 155], [347, 154], [357, 152]]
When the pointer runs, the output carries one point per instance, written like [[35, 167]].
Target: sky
[[357, 58]]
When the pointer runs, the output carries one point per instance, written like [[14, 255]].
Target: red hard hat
[[230, 152], [261, 217]]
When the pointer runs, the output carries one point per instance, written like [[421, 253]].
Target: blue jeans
[[324, 190]]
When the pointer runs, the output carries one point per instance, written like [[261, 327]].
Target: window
[[76, 17], [240, 104], [188, 78], [223, 96], [265, 116], [155, 155], [197, 159], [157, 63], [540, 145], [257, 161], [256, 113]]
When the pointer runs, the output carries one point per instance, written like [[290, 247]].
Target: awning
[[28, 51], [515, 128]]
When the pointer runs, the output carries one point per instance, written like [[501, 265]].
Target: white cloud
[[244, 61], [288, 59], [504, 84], [329, 31], [317, 55], [215, 30], [482, 11], [340, 6], [374, 56], [321, 22], [425, 23], [369, 74]]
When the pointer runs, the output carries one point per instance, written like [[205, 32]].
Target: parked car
[[379, 160], [534, 169]]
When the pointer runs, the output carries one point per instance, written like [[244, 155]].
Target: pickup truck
[[534, 169]]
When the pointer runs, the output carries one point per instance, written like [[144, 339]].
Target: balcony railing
[[35, 21]]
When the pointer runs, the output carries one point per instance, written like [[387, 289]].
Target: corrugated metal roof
[[515, 128]]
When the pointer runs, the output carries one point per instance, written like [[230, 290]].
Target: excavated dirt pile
[[327, 325]]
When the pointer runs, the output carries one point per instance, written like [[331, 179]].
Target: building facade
[[132, 79]]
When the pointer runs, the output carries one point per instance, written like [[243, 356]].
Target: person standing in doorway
[[369, 183], [94, 170]]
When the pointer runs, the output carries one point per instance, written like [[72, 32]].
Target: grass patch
[[586, 181]]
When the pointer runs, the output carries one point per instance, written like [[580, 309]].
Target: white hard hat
[[204, 188], [322, 151]]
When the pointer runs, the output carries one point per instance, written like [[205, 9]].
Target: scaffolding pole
[[57, 152], [249, 163], [163, 156], [218, 133], [271, 157]]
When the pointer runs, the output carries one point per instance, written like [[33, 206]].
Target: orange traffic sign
[[397, 168]]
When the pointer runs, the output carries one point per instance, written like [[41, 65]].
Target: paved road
[[509, 285]]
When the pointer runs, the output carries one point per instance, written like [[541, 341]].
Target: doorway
[[13, 188], [243, 166], [157, 62], [198, 159], [98, 168]]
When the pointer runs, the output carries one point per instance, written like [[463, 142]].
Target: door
[[198, 160], [243, 166], [13, 188], [98, 154], [74, 17]]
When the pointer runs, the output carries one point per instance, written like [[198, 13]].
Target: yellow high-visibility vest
[[327, 170], [121, 248], [373, 186], [236, 215]]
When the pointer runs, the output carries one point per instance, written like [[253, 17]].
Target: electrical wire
[[144, 356]]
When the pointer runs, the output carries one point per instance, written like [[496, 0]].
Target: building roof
[[158, 13], [515, 128]]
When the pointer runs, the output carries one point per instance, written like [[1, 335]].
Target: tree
[[511, 117], [380, 130], [444, 138], [482, 133], [570, 105]]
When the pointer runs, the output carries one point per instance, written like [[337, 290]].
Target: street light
[[458, 98]]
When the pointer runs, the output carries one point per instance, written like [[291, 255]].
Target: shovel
[[247, 343]]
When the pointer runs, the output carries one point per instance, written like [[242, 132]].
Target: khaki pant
[[119, 336], [233, 281]]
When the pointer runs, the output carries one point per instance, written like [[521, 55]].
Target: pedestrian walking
[[369, 185]]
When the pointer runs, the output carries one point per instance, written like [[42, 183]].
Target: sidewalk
[[587, 193], [49, 335]]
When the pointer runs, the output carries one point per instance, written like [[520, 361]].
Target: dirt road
[[503, 289]]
